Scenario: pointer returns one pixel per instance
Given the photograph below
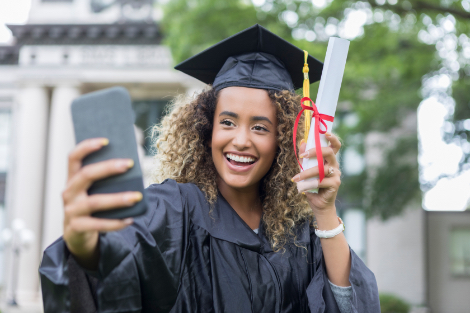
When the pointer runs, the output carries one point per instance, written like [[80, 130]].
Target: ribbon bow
[[319, 118]]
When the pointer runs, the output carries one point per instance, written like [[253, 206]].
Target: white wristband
[[330, 233]]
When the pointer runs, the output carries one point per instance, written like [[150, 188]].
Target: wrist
[[327, 219], [330, 233], [86, 254]]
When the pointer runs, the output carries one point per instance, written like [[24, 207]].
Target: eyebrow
[[232, 114], [253, 118]]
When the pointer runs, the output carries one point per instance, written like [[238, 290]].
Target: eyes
[[256, 127], [260, 128], [227, 123]]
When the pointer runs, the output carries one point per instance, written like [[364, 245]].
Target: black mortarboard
[[254, 58]]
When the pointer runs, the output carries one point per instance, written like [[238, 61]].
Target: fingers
[[314, 172], [327, 153], [307, 185], [83, 149], [335, 142], [103, 202], [83, 179], [328, 182], [332, 181], [87, 223], [308, 173]]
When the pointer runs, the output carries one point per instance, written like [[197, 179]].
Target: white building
[[63, 51], [71, 47]]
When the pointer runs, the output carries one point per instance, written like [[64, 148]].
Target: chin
[[239, 182]]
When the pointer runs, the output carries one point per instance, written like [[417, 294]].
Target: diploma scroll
[[327, 97]]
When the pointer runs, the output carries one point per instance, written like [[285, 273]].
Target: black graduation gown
[[178, 257]]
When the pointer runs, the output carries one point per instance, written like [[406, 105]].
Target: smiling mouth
[[239, 160]]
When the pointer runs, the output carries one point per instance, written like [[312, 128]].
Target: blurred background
[[403, 115]]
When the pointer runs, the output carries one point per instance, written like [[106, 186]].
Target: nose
[[242, 139]]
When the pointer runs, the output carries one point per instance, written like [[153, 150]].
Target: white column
[[61, 142], [26, 192], [355, 231]]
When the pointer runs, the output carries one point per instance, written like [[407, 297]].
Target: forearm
[[335, 250]]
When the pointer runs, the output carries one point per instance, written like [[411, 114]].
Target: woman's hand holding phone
[[81, 230]]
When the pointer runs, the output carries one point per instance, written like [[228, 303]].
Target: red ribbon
[[319, 118]]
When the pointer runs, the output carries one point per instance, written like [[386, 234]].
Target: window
[[460, 251], [147, 114]]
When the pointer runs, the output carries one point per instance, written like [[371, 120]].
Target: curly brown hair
[[182, 153]]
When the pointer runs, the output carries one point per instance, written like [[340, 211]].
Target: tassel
[[306, 93]]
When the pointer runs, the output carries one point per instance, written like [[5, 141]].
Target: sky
[[12, 12], [436, 156]]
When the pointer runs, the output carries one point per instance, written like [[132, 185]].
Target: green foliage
[[382, 77], [394, 185], [392, 304], [460, 93], [382, 80], [194, 25]]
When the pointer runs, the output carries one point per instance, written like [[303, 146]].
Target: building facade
[[66, 49]]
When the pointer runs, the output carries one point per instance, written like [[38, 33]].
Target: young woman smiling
[[226, 230]]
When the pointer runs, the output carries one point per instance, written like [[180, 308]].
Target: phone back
[[108, 113]]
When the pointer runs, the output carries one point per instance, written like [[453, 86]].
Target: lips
[[240, 162]]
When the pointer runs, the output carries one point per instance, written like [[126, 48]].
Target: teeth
[[238, 158]]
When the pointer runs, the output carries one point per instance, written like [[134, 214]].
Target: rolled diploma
[[327, 99]]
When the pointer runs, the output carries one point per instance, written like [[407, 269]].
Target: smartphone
[[108, 113]]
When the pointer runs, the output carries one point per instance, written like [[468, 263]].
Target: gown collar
[[226, 224], [223, 222]]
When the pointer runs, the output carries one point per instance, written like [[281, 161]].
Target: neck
[[245, 201]]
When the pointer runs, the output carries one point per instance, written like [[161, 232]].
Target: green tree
[[399, 45]]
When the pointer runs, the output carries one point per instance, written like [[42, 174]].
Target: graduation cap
[[255, 58]]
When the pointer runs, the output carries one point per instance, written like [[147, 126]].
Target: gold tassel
[[306, 93]]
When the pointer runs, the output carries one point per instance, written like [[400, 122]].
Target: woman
[[228, 231]]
